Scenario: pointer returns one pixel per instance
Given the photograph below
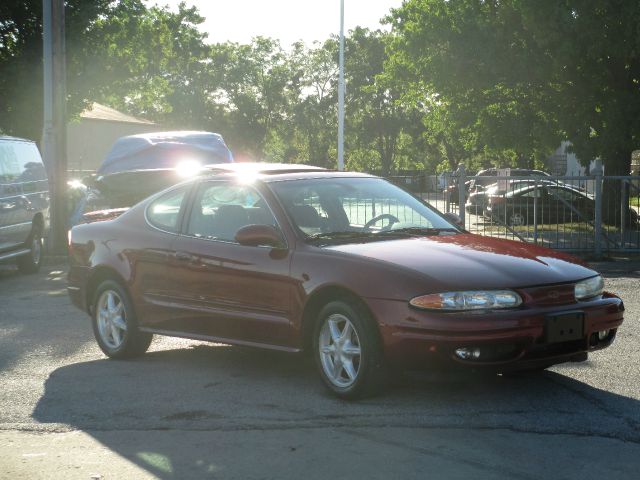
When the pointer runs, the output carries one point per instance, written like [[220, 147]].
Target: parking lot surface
[[191, 409]]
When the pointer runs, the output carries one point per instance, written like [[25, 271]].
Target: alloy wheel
[[339, 348], [112, 319]]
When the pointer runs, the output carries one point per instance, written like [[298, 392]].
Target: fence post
[[462, 197], [597, 172], [445, 190], [535, 212], [624, 211]]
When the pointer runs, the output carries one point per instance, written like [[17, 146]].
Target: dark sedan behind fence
[[590, 214]]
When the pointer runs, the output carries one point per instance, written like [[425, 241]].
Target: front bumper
[[507, 340]]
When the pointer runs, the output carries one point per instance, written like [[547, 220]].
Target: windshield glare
[[337, 205]]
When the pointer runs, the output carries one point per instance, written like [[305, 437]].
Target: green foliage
[[516, 77], [485, 82]]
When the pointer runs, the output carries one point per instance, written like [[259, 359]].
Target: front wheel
[[115, 325], [347, 351]]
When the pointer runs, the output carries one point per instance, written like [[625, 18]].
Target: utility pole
[[54, 135], [341, 93]]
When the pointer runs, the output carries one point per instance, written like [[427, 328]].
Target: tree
[[470, 62], [531, 73], [21, 60]]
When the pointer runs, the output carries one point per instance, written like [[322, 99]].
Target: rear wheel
[[347, 351], [32, 261], [115, 325]]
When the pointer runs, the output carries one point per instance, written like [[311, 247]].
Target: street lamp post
[[341, 93]]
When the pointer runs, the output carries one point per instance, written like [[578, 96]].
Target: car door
[[150, 254], [570, 206], [220, 288], [12, 204]]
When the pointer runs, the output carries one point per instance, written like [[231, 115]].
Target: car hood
[[466, 261]]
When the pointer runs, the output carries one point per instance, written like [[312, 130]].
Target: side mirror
[[259, 235], [455, 219]]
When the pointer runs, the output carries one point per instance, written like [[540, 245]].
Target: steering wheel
[[392, 219]]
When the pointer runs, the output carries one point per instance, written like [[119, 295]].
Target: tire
[[517, 220], [348, 351], [115, 325], [31, 262]]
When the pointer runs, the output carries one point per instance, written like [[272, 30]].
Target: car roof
[[490, 172], [15, 139], [548, 184], [272, 172]]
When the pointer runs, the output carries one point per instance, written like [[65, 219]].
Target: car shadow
[[215, 390]]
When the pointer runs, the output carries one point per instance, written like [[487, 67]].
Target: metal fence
[[591, 215]]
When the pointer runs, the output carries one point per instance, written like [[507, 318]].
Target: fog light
[[468, 353], [603, 334]]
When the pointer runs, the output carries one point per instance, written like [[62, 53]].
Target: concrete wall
[[89, 140]]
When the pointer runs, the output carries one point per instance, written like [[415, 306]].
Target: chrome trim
[[17, 253], [23, 195], [13, 225]]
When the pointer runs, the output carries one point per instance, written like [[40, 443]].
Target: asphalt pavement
[[191, 409]]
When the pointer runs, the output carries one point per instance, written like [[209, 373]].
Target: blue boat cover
[[164, 150]]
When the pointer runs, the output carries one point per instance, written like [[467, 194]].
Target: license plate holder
[[564, 327]]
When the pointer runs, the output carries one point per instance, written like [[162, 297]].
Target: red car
[[345, 265]]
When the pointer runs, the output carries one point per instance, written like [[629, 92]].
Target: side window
[[164, 212], [566, 195], [221, 209], [10, 167], [21, 168], [533, 193], [307, 212]]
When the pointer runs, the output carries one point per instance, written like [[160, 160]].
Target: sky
[[286, 20]]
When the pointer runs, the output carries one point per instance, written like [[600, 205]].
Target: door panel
[[221, 288], [231, 291]]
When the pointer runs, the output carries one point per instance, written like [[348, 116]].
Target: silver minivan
[[24, 203]]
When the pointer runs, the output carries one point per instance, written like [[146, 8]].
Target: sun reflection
[[156, 460], [188, 168]]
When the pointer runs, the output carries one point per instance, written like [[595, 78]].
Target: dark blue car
[[140, 165]]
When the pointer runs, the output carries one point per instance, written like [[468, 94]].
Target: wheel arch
[[99, 275], [319, 298]]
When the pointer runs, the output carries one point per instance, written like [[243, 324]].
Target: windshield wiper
[[418, 231], [372, 235], [338, 235]]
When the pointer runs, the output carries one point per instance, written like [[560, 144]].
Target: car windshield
[[356, 207]]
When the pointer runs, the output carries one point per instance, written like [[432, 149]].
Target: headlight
[[473, 300], [591, 287]]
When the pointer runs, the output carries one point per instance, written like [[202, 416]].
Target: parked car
[[478, 200], [140, 165], [487, 177], [347, 266], [24, 203], [549, 203]]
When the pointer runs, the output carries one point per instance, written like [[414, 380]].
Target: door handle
[[183, 256]]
